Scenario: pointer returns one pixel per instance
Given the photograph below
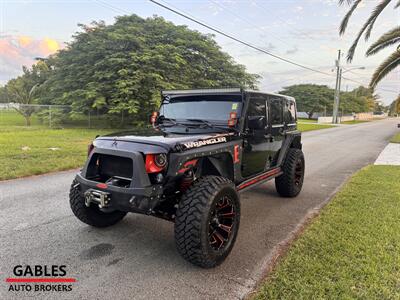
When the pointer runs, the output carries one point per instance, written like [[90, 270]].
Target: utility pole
[[338, 98], [337, 90]]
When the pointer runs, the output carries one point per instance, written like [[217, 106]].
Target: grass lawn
[[11, 117], [309, 127], [37, 158], [352, 250], [354, 122], [396, 138], [307, 121]]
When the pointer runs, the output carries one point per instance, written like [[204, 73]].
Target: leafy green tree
[[3, 94], [394, 108], [121, 68], [23, 90], [310, 98], [351, 103], [22, 93], [392, 37], [360, 99]]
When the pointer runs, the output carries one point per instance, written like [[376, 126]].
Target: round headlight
[[160, 160]]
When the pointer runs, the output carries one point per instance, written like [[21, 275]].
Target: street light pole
[[337, 90], [336, 103]]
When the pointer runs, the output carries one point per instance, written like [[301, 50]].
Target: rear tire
[[289, 184], [207, 221], [91, 215]]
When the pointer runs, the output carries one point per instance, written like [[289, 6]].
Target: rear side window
[[290, 112], [276, 111]]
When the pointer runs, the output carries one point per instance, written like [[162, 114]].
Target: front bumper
[[137, 199]]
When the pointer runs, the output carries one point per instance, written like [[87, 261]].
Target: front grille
[[104, 167]]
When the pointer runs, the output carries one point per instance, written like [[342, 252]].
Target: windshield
[[213, 108]]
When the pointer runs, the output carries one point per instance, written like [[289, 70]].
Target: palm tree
[[392, 37]]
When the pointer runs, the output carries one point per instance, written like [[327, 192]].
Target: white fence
[[341, 119], [359, 116], [59, 116]]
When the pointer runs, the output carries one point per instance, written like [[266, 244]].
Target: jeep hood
[[144, 140]]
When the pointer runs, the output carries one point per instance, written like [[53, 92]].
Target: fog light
[[159, 177]]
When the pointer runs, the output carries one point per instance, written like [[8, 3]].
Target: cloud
[[49, 46], [269, 47], [292, 51], [328, 49], [298, 8], [24, 41], [214, 8], [18, 51]]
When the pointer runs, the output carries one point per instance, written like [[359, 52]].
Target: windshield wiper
[[162, 119], [208, 124], [170, 123]]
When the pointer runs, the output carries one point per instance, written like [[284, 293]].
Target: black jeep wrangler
[[205, 146]]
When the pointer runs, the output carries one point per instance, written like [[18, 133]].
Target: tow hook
[[102, 199]]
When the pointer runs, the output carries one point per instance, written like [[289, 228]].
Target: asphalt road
[[136, 259]]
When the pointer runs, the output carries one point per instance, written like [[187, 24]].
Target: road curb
[[390, 155], [268, 264]]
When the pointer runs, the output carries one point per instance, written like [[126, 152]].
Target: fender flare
[[292, 140]]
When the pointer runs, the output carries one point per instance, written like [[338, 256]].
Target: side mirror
[[256, 122], [153, 118]]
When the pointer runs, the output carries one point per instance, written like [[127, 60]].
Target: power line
[[238, 40], [119, 10], [284, 21], [249, 22], [361, 83], [114, 8], [257, 27]]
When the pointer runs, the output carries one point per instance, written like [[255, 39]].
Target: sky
[[302, 31]]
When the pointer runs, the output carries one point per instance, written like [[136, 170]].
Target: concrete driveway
[[136, 259]]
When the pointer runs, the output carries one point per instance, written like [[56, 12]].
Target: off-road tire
[[289, 184], [193, 217], [91, 215]]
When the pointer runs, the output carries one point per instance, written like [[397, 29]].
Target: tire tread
[[285, 183], [193, 207], [89, 215]]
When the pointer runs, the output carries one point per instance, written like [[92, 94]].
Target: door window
[[276, 111], [257, 109]]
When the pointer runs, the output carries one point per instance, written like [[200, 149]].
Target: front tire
[[207, 221], [289, 184], [91, 215]]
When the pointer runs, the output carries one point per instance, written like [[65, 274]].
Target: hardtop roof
[[219, 91]]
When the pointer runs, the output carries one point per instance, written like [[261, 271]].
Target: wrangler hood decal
[[200, 143]]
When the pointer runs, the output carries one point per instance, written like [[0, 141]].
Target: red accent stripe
[[40, 280], [236, 154], [259, 178], [187, 165], [102, 185]]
